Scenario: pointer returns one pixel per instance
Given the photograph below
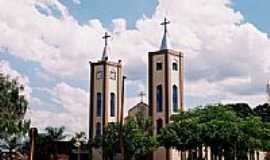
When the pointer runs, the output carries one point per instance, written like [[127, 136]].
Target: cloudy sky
[[48, 44]]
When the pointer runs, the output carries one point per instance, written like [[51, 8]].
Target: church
[[165, 91]]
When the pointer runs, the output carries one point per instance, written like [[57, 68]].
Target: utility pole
[[268, 92], [122, 150], [33, 137]]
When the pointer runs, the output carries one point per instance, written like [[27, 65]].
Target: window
[[175, 98], [174, 66], [99, 75], [113, 75], [99, 104], [159, 98], [159, 125], [112, 104], [98, 129], [159, 66]]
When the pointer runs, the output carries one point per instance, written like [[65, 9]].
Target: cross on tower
[[165, 23], [142, 95], [106, 37]]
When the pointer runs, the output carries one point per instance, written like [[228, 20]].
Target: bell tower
[[106, 95], [165, 82]]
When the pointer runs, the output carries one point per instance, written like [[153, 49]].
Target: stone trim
[[181, 81], [166, 51]]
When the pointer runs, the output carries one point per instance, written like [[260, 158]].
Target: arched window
[[112, 104], [159, 125], [175, 98], [159, 98], [98, 129], [99, 101], [174, 66]]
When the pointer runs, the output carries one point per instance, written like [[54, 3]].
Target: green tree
[[263, 111], [182, 136], [231, 131], [219, 129], [252, 129], [110, 140], [136, 138], [242, 110], [138, 141], [13, 106]]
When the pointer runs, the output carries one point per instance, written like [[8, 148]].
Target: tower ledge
[[167, 51], [111, 63]]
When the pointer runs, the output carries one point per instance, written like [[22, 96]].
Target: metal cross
[[165, 23], [142, 95], [106, 37]]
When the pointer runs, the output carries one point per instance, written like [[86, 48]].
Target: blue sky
[[106, 10], [255, 12], [55, 51]]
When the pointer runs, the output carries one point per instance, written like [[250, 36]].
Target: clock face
[[113, 75], [99, 75]]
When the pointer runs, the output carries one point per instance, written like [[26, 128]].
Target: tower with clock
[[106, 95], [165, 82]]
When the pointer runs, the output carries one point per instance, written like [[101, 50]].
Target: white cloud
[[119, 25], [226, 58], [135, 85], [74, 100], [77, 1], [74, 115], [51, 41], [252, 100], [42, 119]]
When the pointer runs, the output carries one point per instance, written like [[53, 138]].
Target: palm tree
[[78, 140], [53, 135]]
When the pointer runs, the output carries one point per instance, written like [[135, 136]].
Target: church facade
[[165, 82]]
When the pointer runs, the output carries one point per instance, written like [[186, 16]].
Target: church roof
[[141, 104], [165, 43], [105, 53]]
